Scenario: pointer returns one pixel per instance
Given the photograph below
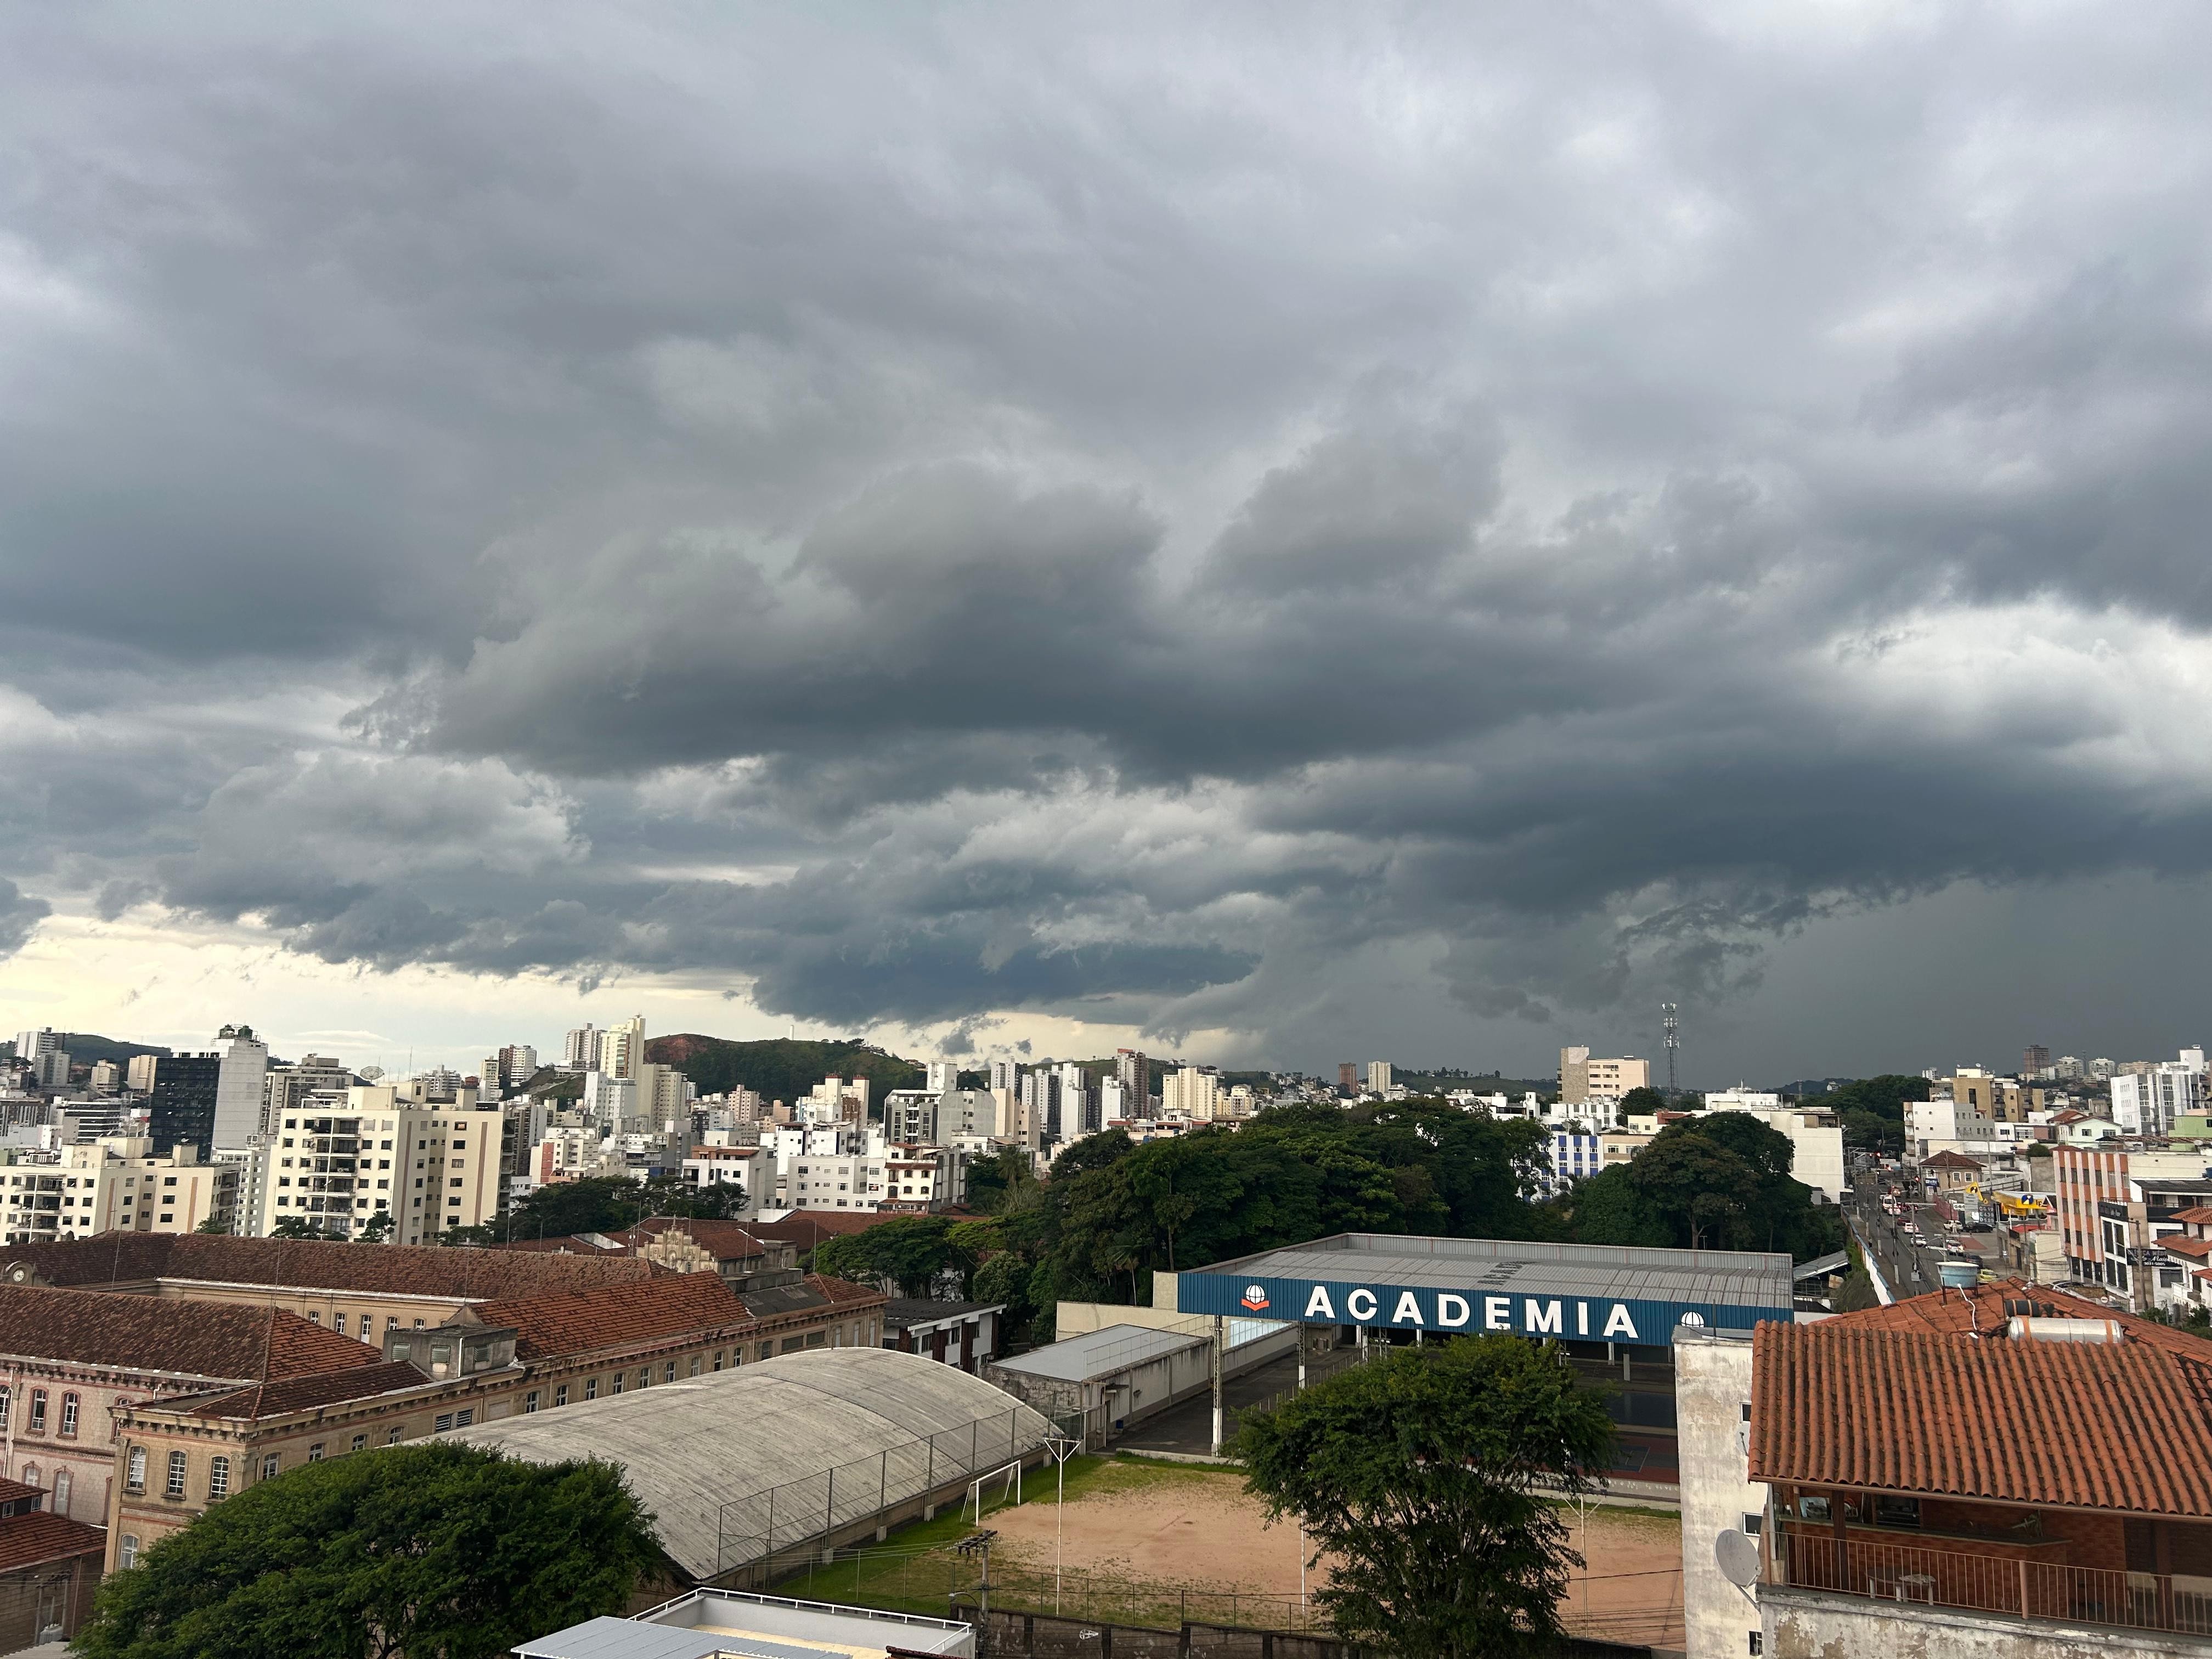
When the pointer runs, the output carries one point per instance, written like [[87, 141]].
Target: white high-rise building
[[943, 1076], [431, 1165], [1007, 1075], [240, 1084], [50, 1069], [1193, 1092], [622, 1047], [2147, 1102], [579, 1050], [29, 1045], [1379, 1077]]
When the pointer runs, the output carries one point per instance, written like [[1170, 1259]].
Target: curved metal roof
[[692, 1448]]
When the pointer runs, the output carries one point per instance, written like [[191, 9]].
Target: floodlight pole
[[1220, 1330]]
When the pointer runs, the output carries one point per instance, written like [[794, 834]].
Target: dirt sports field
[[1196, 1526]]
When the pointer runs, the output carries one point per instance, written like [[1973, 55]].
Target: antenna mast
[[1674, 1041]]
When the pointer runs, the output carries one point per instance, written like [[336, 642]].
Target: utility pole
[[979, 1543], [1668, 1023], [1220, 1340]]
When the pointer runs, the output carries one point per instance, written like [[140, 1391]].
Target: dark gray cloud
[[940, 514]]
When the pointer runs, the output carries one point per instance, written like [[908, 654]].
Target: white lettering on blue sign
[[1497, 1313], [1618, 1324], [1407, 1309], [1352, 1304], [1318, 1306], [1540, 1316], [1452, 1311], [1581, 1319]]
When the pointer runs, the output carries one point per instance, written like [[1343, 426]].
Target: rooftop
[[609, 1316], [303, 1394], [716, 1622], [1724, 1278], [308, 1264], [1975, 1413], [30, 1540], [903, 1312], [802, 1415], [1106, 1352], [1947, 1160], [216, 1340]]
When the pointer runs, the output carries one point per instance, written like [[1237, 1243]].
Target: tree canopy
[[911, 1255], [1424, 1477], [435, 1549], [1718, 1182]]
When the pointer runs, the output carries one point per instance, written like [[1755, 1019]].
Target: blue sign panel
[[1472, 1310]]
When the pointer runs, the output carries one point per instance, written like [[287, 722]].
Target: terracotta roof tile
[[2120, 1426], [580, 1322], [301, 1393], [165, 1334], [1949, 1160], [2195, 1215], [33, 1540], [13, 1492], [2177, 1245], [312, 1264]]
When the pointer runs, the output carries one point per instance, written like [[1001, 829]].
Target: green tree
[[1424, 1477], [1098, 1152], [594, 1204], [375, 1230], [911, 1253], [296, 1226], [434, 1549], [213, 1224], [1642, 1102]]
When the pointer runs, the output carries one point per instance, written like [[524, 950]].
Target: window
[[6, 1398], [445, 1422], [393, 1439], [717, 1359], [218, 1478], [530, 1402], [619, 1379], [591, 1388], [62, 1483], [176, 1474], [644, 1377], [38, 1410], [560, 1395], [392, 1322], [134, 1470], [465, 1417], [359, 1441], [126, 1555], [695, 1364], [1757, 1640], [1753, 1524], [668, 1374], [337, 1323], [315, 1452], [270, 1465]]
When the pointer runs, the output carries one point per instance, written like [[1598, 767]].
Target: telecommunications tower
[[1674, 1041]]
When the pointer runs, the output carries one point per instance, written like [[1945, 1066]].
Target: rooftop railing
[[2012, 1584]]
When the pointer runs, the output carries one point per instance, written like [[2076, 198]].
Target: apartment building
[[115, 1185], [69, 1357], [426, 1166], [2147, 1102], [2040, 1483], [1949, 1124], [2115, 1200], [487, 1361], [1816, 1138], [1194, 1092], [1583, 1080]]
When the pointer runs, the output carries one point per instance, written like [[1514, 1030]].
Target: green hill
[[781, 1068]]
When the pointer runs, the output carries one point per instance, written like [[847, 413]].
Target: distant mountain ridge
[[781, 1068]]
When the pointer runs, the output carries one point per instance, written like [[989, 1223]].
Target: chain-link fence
[[769, 1532]]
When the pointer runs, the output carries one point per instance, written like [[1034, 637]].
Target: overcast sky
[[1290, 534]]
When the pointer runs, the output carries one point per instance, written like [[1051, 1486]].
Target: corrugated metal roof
[[1103, 1352], [1723, 1277], [2118, 1427]]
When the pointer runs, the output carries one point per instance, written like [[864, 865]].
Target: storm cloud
[[938, 515]]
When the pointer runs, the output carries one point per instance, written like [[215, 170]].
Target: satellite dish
[[1738, 1556]]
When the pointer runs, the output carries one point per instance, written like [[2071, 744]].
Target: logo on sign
[[1254, 1297]]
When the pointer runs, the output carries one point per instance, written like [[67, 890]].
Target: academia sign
[[1473, 1308]]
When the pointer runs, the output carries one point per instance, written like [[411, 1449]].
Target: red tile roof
[[2177, 1245], [301, 1393], [582, 1321], [807, 1228], [33, 1540], [841, 1292], [1949, 1160], [175, 1334], [2120, 1426], [12, 1492], [309, 1264], [2196, 1216]]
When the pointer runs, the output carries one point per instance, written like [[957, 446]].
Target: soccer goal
[[1009, 1485]]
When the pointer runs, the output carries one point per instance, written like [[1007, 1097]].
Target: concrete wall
[[1803, 1624], [1712, 1385]]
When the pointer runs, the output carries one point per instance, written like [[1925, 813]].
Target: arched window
[[68, 1415], [62, 1483], [30, 1474]]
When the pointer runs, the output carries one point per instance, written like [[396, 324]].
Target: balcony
[[2014, 1580]]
